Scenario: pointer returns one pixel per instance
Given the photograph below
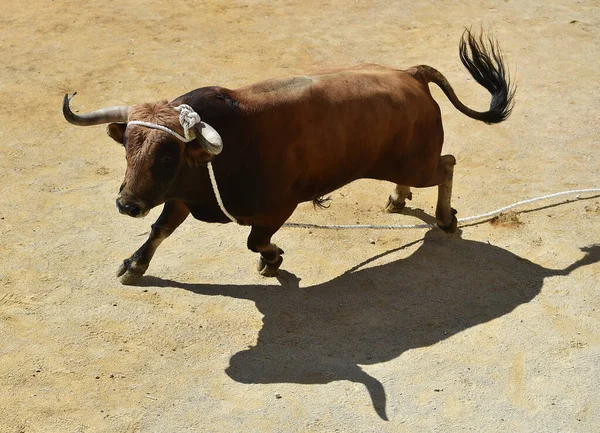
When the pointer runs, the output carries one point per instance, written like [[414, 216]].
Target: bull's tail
[[487, 66]]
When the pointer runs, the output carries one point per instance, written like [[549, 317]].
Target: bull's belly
[[408, 170], [202, 213]]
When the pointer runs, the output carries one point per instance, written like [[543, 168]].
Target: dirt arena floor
[[494, 328]]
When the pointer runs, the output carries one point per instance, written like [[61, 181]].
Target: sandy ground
[[496, 328]]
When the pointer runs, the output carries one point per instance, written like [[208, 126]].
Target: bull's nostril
[[134, 210], [130, 209]]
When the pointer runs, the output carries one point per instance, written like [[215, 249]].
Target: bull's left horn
[[116, 114]]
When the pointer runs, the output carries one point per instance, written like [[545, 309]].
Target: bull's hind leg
[[173, 214], [444, 213], [397, 199]]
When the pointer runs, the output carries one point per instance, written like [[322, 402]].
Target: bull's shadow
[[323, 333]]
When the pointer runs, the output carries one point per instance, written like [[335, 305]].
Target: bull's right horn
[[116, 114]]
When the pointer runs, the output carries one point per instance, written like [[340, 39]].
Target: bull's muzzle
[[131, 208]]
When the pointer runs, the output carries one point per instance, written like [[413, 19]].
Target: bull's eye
[[166, 160]]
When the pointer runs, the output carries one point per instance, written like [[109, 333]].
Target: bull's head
[[154, 156]]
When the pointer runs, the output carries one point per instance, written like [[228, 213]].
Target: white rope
[[161, 127], [187, 118], [424, 226], [531, 200], [215, 188]]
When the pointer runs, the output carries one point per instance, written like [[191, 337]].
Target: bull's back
[[336, 126]]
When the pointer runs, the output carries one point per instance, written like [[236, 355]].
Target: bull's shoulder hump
[[212, 99]]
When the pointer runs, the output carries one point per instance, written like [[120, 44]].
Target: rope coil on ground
[[425, 226]]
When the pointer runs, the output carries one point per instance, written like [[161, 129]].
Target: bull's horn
[[210, 139], [116, 114]]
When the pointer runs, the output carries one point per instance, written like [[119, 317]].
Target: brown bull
[[281, 142]]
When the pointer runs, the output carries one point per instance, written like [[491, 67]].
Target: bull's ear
[[116, 131], [208, 138], [196, 153]]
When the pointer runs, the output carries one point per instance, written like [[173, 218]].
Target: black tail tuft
[[321, 202], [485, 62]]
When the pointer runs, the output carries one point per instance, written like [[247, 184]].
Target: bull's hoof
[[130, 272], [393, 206], [397, 205], [269, 269], [453, 226]]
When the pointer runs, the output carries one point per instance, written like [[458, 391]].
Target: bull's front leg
[[270, 258], [173, 214]]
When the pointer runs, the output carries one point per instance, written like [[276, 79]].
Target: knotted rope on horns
[[188, 119]]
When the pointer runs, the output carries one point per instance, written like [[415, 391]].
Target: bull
[[252, 154]]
